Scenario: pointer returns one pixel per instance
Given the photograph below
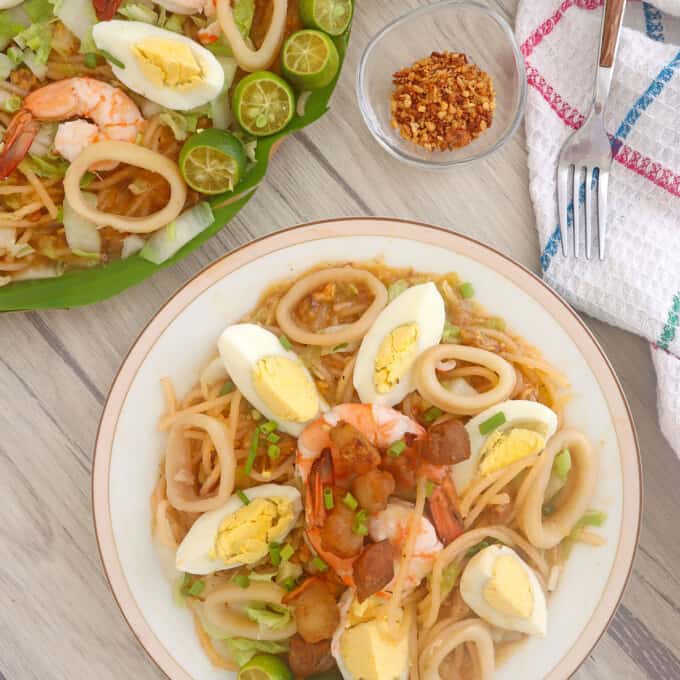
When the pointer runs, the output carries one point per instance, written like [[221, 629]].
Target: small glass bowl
[[455, 26]]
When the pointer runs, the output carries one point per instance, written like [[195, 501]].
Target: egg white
[[421, 305], [241, 346], [475, 576], [193, 553], [118, 37], [530, 415], [344, 606]]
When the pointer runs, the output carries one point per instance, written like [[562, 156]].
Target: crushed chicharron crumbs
[[442, 102]]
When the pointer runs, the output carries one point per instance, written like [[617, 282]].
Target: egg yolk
[[370, 654], [244, 536], [509, 589], [503, 448], [286, 388], [168, 63], [395, 356]]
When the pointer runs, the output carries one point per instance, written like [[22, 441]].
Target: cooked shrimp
[[393, 524], [110, 114], [378, 427]]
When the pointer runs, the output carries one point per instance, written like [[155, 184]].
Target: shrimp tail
[[17, 141], [105, 9], [444, 510], [320, 478]]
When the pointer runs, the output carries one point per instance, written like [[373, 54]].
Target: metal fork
[[588, 147]]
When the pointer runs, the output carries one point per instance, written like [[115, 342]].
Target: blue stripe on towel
[[653, 22]]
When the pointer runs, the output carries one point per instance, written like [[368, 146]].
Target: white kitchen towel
[[638, 286]]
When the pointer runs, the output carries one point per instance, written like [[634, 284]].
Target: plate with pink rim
[[183, 334]]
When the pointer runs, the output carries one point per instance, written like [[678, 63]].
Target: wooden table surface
[[57, 616]]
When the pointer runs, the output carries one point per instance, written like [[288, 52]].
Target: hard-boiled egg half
[[272, 378], [503, 589], [501, 435], [363, 648], [239, 533], [165, 67], [411, 323]]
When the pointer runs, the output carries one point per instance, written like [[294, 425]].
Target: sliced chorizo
[[373, 489], [373, 569], [353, 453], [446, 443], [307, 658]]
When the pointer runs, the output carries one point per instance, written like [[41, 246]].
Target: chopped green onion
[[227, 388], [328, 501], [451, 332], [318, 564], [285, 342], [90, 60], [548, 509], [255, 414], [360, 525], [109, 57], [252, 454], [429, 488], [185, 585], [449, 577], [273, 438], [268, 427], [241, 580], [350, 501], [562, 464], [492, 423], [496, 323], [273, 451], [244, 499], [480, 546], [432, 414], [275, 554], [341, 346], [287, 552], [354, 290], [466, 290], [197, 587], [395, 289], [395, 450], [591, 518], [289, 583], [87, 179]]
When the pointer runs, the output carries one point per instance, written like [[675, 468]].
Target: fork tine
[[576, 203], [589, 205], [603, 181], [562, 201]]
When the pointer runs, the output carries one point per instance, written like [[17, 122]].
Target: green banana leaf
[[77, 288]]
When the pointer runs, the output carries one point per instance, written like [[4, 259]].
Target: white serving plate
[[184, 333]]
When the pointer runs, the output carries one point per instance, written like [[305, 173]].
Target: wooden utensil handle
[[613, 13]]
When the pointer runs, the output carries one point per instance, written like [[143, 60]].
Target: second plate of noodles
[[372, 478], [133, 130]]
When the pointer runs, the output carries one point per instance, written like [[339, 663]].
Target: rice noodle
[[138, 156], [427, 383], [41, 191], [307, 284], [546, 532]]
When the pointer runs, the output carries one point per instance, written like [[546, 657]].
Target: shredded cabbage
[[138, 12], [9, 102], [181, 124], [174, 23], [269, 614], [49, 167], [243, 650], [38, 39], [220, 107], [244, 12], [38, 10], [12, 22], [82, 235], [79, 17]]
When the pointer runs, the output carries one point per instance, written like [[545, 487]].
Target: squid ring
[[221, 608], [303, 287], [547, 532], [432, 390], [180, 489], [124, 152], [247, 58], [450, 637]]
